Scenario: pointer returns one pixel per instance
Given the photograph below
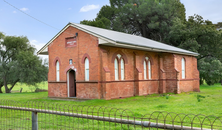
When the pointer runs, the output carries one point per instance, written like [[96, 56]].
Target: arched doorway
[[71, 76]]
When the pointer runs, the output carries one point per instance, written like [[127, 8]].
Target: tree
[[210, 70], [219, 25], [148, 18], [164, 21], [101, 23], [107, 12], [18, 63], [104, 18], [200, 36]]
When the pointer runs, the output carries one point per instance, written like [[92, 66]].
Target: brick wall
[[191, 80], [165, 70], [57, 89], [86, 45]]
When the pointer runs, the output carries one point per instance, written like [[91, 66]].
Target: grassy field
[[209, 103], [28, 88], [179, 103]]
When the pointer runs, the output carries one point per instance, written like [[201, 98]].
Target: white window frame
[[149, 69], [144, 65], [183, 68], [86, 69], [57, 71], [70, 61], [116, 69], [122, 69]]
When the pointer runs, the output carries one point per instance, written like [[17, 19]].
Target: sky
[[41, 20]]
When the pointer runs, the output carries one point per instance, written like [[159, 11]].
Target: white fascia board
[[44, 52], [101, 41]]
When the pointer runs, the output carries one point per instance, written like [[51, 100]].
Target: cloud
[[33, 41], [69, 8], [88, 8], [14, 12], [38, 46], [24, 9]]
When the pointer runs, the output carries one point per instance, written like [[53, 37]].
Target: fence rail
[[34, 115]]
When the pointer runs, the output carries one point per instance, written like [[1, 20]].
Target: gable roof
[[119, 39]]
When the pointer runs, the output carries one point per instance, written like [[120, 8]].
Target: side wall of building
[[166, 74], [163, 73], [191, 80]]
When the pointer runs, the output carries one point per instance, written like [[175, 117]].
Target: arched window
[[144, 64], [116, 69], [183, 68], [57, 70], [147, 68], [122, 69], [86, 69], [119, 66]]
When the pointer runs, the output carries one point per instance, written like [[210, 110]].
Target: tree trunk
[[1, 85], [13, 84], [143, 30], [201, 81], [6, 87]]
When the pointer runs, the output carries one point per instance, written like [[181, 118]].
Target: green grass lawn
[[28, 88], [179, 103], [186, 103]]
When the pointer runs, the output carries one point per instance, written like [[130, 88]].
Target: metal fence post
[[34, 121]]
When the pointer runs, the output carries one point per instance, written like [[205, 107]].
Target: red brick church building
[[93, 63]]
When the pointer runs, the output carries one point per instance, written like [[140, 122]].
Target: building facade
[[92, 63]]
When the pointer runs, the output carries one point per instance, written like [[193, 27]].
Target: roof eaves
[[161, 50]]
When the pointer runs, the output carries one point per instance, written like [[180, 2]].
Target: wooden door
[[72, 84]]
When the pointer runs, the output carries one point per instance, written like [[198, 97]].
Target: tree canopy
[[18, 63], [165, 21], [148, 18], [201, 36]]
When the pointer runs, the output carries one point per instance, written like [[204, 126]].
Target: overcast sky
[[57, 13]]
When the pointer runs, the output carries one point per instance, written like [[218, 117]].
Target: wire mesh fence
[[50, 116]]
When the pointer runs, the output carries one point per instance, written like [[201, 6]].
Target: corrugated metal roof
[[120, 39], [130, 39]]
